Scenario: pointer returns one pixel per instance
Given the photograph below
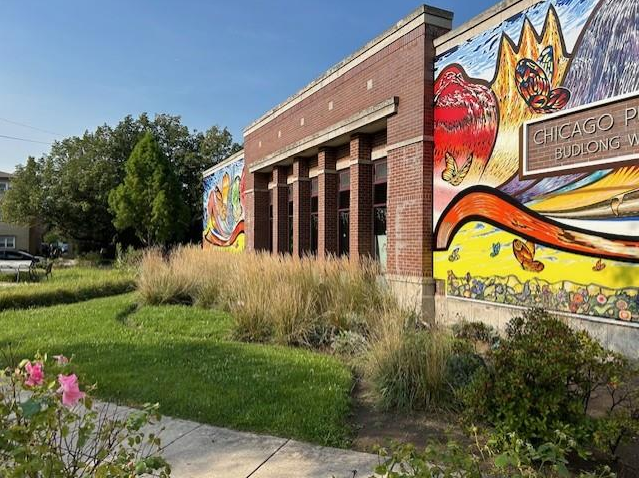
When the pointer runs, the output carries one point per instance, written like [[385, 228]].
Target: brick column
[[280, 210], [327, 203], [361, 207], [301, 208], [256, 218]]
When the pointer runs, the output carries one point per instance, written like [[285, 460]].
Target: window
[[343, 211], [4, 185], [290, 219], [8, 242], [314, 214], [270, 220], [379, 211]]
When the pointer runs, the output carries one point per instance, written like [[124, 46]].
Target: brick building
[[420, 150], [342, 167]]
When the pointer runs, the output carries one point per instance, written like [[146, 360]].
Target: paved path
[[202, 451]]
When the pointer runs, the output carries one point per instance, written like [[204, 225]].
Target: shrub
[[349, 344], [542, 379], [476, 332], [50, 428], [511, 457], [461, 369], [129, 258]]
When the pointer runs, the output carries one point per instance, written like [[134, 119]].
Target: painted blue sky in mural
[[478, 56]]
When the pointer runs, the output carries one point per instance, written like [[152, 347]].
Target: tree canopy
[[149, 201], [68, 188]]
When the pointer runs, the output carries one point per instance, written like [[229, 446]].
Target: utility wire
[[29, 126], [23, 139]]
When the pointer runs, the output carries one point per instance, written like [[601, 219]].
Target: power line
[[23, 139], [29, 126]]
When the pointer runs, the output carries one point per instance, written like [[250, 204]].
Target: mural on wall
[[568, 242], [224, 207]]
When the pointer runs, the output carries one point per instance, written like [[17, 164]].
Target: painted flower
[[69, 389], [35, 374], [578, 299], [622, 304], [601, 299], [625, 315]]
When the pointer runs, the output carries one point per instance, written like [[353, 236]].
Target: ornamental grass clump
[[284, 299], [406, 363], [50, 427]]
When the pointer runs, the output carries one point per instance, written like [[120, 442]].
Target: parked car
[[14, 255]]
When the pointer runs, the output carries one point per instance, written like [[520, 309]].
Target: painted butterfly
[[496, 249], [599, 266], [453, 173], [525, 253], [534, 82], [454, 256]]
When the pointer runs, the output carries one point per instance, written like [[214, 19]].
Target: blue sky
[[71, 65]]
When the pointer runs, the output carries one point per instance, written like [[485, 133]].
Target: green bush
[[476, 332], [461, 369], [509, 457], [67, 286], [542, 378]]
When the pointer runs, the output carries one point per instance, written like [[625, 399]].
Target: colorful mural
[[224, 207], [561, 242]]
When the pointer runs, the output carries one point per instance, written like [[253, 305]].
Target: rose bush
[[49, 427]]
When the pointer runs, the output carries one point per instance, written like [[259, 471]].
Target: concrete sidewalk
[[198, 451]]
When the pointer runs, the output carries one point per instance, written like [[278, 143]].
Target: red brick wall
[[361, 199], [410, 182], [397, 70]]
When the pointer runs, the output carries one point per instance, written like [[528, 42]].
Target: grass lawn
[[180, 356], [65, 286]]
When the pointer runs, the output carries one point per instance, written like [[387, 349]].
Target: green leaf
[[30, 408]]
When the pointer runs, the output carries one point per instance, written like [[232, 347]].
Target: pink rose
[[35, 374], [70, 390], [61, 359]]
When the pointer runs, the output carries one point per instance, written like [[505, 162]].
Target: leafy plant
[[542, 378], [49, 427], [497, 456]]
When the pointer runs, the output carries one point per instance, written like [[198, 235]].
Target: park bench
[[16, 267]]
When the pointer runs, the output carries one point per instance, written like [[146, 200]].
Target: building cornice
[[423, 14]]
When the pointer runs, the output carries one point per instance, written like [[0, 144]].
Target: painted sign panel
[[224, 207], [587, 138], [567, 240]]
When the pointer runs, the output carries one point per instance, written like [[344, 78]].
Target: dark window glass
[[314, 187], [314, 232], [343, 205], [344, 201], [380, 190], [379, 194], [344, 224], [290, 219], [270, 221]]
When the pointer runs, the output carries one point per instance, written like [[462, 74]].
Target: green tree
[[149, 201], [68, 188], [22, 203]]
